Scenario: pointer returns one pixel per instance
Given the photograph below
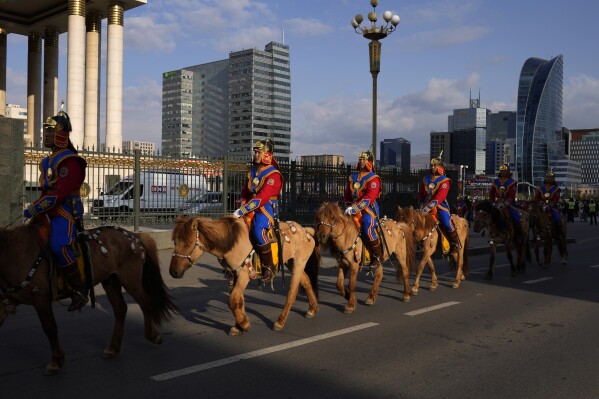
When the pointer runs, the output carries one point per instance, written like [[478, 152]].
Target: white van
[[159, 193]]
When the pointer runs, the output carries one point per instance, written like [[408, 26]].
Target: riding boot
[[267, 264], [454, 241], [78, 289], [376, 252]]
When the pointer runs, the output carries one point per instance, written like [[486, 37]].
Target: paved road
[[533, 336]]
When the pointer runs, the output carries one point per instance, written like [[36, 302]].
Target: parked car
[[209, 202]]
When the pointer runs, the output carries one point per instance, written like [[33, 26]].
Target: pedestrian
[[593, 211]]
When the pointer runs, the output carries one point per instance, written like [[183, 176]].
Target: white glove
[[238, 213], [349, 210]]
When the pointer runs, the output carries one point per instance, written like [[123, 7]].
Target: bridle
[[333, 238], [198, 244]]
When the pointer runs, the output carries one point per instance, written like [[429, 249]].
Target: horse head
[[327, 216], [187, 249]]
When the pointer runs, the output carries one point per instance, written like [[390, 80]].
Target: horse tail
[[162, 308], [313, 267]]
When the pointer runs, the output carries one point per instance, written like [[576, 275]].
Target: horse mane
[[330, 211], [496, 216], [216, 234]]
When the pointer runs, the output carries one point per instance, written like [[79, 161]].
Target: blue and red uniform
[[61, 176], [503, 193], [259, 199], [362, 190], [549, 194], [432, 197]]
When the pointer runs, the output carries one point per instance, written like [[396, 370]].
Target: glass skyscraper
[[223, 107], [539, 118]]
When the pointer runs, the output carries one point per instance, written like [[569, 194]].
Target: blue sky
[[440, 51]]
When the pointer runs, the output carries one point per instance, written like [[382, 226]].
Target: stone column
[[34, 91], [76, 70], [11, 171], [2, 72], [114, 78], [92, 80], [50, 72]]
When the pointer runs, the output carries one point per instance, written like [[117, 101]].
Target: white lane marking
[[431, 308], [485, 269], [594, 266], [260, 352], [539, 280]]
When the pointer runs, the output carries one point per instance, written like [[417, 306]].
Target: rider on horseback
[[260, 201], [503, 194], [548, 195], [432, 199], [362, 190], [62, 174]]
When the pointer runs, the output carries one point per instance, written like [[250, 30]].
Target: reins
[[198, 244]]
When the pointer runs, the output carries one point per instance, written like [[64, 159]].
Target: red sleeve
[[347, 196], [492, 193], [511, 195], [70, 178], [422, 193]]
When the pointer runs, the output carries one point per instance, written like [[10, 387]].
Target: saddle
[[58, 285], [274, 246]]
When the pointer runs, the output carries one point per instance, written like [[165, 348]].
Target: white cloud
[[142, 112], [581, 102], [147, 36], [343, 126], [306, 27]]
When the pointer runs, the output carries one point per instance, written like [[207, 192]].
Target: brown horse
[[120, 259], [545, 230], [502, 231], [229, 240], [339, 232], [426, 233]]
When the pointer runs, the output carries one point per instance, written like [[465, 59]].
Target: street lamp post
[[374, 34]]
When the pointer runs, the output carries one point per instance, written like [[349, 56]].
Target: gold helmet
[[550, 177], [437, 161], [264, 145], [505, 166], [61, 125], [369, 158]]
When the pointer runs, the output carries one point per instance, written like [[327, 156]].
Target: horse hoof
[[349, 310], [311, 313], [406, 299], [52, 369], [369, 301], [456, 285], [108, 354], [234, 331], [432, 288], [278, 326]]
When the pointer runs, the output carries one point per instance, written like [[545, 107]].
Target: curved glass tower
[[539, 118]]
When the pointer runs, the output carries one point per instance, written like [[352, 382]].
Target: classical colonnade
[[83, 75]]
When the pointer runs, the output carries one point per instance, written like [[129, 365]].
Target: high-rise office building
[[440, 141], [539, 118], [260, 99], [396, 152], [468, 127], [223, 107]]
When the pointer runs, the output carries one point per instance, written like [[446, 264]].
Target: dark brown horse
[[120, 259], [339, 232], [228, 239], [502, 230], [545, 230], [426, 233]]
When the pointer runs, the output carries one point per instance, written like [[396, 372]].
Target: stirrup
[[269, 276], [78, 301]]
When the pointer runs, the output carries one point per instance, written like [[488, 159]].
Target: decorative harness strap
[[26, 284]]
